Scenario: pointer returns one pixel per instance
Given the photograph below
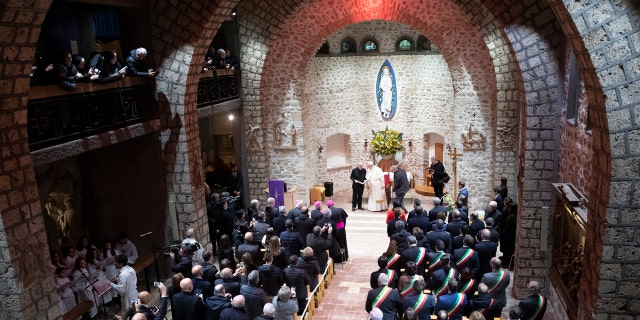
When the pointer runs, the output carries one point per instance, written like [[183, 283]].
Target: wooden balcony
[[56, 115], [216, 86]]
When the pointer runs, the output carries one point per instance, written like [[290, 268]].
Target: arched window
[[370, 45], [347, 45], [424, 44], [404, 44]]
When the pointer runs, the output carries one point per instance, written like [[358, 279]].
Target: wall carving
[[474, 140], [506, 137]]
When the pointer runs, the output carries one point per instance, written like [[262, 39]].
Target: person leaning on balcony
[[136, 66]]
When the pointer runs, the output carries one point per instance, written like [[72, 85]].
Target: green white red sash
[[542, 302], [422, 300], [442, 290], [435, 263], [422, 252], [502, 276], [465, 257], [384, 293], [458, 304], [467, 286], [393, 260], [391, 274], [485, 309], [408, 288]]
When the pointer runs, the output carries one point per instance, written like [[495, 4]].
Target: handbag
[[446, 178]]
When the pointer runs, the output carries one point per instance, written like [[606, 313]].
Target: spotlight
[[231, 117]]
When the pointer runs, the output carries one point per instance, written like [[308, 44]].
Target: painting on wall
[[386, 91]]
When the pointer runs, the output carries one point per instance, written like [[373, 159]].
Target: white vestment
[[126, 286], [377, 195]]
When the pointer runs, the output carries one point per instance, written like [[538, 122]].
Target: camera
[[156, 283], [228, 198]]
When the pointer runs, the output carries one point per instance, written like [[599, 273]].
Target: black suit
[[485, 304], [373, 280], [391, 226], [234, 314], [473, 262], [421, 221], [235, 184], [298, 278], [304, 225], [438, 172], [400, 186], [279, 224], [530, 307], [433, 213], [486, 250], [417, 255], [357, 179], [391, 307], [442, 235], [187, 306]]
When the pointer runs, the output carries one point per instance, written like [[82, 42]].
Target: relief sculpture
[[474, 140]]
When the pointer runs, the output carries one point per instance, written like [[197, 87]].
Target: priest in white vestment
[[375, 183]]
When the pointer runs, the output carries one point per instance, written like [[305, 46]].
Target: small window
[[424, 44], [404, 45], [573, 94], [370, 46], [348, 45]]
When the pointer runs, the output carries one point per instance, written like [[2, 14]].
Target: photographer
[[181, 261], [195, 247], [149, 311]]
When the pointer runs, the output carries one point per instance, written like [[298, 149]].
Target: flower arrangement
[[386, 142]]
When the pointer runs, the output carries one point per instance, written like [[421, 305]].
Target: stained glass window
[[370, 46], [347, 46], [404, 45]]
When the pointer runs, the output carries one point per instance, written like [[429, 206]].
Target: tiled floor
[[367, 239]]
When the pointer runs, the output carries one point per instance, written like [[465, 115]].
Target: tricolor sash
[[542, 302], [384, 293], [465, 257], [499, 281], [391, 274], [440, 291], [458, 305], [435, 263], [408, 287], [484, 310], [422, 300], [422, 252], [393, 260], [467, 286]]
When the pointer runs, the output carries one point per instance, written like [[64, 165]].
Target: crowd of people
[[444, 262], [86, 273], [102, 67]]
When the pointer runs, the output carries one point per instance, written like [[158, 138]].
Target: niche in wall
[[337, 155]]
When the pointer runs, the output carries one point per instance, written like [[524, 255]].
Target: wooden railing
[[215, 86], [314, 298], [56, 115]]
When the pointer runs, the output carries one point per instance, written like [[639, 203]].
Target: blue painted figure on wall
[[386, 91]]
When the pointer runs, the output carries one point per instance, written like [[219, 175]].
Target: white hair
[[269, 309], [254, 202], [271, 201], [141, 52], [493, 204]]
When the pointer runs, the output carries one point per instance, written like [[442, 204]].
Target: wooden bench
[[78, 311]]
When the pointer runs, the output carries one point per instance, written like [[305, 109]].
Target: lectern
[[278, 190]]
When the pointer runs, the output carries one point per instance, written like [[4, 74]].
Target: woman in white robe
[[63, 286], [375, 182], [82, 277]]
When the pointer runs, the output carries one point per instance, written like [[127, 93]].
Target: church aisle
[[366, 239]]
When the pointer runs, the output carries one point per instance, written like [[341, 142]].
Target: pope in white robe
[[375, 182]]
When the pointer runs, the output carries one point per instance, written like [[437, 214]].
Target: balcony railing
[[57, 116], [217, 86]]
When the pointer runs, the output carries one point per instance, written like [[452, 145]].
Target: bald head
[[145, 297], [496, 263], [226, 273], [197, 271], [139, 316], [186, 285], [238, 301], [534, 287], [191, 233], [248, 236]]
